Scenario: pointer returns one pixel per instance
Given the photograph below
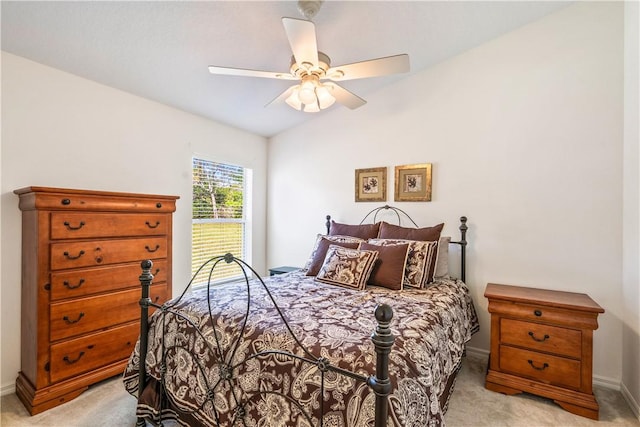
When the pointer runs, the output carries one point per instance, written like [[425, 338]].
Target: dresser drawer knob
[[70, 286], [66, 254], [69, 321], [72, 228], [543, 339], [152, 226], [69, 361], [545, 365], [537, 313], [65, 202], [152, 250], [158, 205]]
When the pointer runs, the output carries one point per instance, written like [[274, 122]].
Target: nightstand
[[542, 343], [282, 270]]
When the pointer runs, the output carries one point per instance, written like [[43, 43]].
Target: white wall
[[525, 135], [59, 130], [631, 211]]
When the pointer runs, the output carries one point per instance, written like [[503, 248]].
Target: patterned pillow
[[337, 238], [426, 234], [346, 267], [363, 231], [421, 260], [389, 269], [321, 253]]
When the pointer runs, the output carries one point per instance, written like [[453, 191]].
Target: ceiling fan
[[317, 88]]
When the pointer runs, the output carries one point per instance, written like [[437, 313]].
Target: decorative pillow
[[363, 231], [427, 234], [320, 251], [421, 260], [346, 267], [389, 269], [442, 259]]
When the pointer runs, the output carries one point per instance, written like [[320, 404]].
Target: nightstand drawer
[[541, 367], [540, 337], [546, 314]]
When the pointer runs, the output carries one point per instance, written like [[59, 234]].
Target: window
[[219, 216]]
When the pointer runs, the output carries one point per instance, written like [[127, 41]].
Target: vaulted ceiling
[[160, 50]]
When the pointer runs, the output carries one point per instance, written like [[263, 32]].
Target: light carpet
[[108, 404]]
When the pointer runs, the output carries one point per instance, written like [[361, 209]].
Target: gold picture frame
[[413, 183], [371, 185]]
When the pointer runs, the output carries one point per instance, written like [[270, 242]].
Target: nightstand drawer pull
[[537, 313], [543, 339], [544, 366], [69, 361]]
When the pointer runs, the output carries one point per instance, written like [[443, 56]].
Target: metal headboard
[[463, 231]]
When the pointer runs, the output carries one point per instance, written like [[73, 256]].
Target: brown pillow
[[389, 269], [427, 234], [421, 260], [321, 252], [350, 268], [363, 231]]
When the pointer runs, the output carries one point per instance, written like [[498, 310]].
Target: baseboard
[[8, 389], [630, 401], [606, 382]]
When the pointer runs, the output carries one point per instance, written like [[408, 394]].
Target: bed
[[343, 342]]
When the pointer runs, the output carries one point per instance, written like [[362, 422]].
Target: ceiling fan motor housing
[[306, 68]]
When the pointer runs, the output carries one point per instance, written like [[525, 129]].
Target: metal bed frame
[[381, 337]]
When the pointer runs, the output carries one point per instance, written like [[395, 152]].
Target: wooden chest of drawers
[[542, 343], [81, 254]]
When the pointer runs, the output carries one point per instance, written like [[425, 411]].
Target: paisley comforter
[[212, 377]]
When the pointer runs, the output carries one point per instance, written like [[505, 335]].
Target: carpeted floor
[[107, 404]]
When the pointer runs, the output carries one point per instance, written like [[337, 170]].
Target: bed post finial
[[145, 281], [328, 224], [463, 247], [380, 383]]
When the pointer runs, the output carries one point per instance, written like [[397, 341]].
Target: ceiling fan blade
[[344, 97], [250, 73], [302, 38], [371, 68]]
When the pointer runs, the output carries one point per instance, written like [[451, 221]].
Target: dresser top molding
[[551, 298], [32, 198]]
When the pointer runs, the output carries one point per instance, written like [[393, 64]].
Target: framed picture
[[413, 183], [371, 185]]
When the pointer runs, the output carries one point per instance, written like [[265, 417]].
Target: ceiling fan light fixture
[[311, 108], [325, 99], [294, 100], [307, 91]]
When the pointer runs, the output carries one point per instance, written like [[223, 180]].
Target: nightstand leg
[[501, 388], [580, 410]]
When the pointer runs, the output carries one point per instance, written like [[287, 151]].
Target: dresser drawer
[[102, 252], [89, 281], [82, 315], [80, 225], [542, 367], [541, 337], [81, 355]]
